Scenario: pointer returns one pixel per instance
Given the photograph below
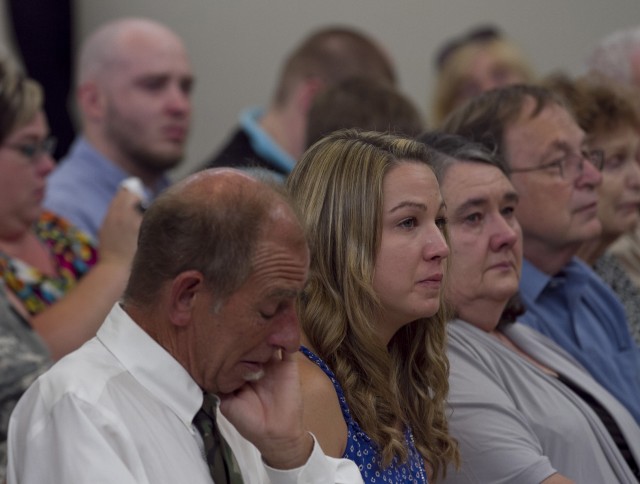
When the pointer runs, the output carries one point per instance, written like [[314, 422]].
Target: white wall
[[238, 45]]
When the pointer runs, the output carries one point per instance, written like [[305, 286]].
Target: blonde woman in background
[[479, 61], [373, 364]]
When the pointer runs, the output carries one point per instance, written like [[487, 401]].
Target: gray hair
[[449, 149], [612, 55]]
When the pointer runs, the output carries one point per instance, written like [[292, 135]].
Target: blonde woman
[[373, 364], [466, 66]]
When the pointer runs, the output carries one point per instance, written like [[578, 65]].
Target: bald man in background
[[133, 92]]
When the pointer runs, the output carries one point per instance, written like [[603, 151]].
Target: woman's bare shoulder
[[322, 412]]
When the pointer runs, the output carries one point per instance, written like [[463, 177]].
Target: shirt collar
[[533, 281], [261, 142], [150, 364]]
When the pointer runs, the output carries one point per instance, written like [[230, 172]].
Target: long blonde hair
[[337, 188]]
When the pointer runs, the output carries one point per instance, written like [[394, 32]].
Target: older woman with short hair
[[522, 409]]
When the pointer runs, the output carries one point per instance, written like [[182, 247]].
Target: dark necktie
[[222, 464]]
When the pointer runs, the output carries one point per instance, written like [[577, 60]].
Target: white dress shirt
[[120, 410]]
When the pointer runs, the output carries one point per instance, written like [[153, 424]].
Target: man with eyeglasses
[[133, 92], [556, 176]]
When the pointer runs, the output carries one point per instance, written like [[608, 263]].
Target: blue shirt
[[81, 188], [364, 452], [261, 142], [582, 315]]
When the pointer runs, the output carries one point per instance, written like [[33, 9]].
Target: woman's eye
[[408, 223], [614, 162], [473, 218], [441, 222]]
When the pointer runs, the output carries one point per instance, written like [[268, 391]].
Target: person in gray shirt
[[522, 409]]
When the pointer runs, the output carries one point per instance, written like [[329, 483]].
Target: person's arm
[[74, 319], [269, 414]]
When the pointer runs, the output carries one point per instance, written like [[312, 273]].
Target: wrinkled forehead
[[281, 257]]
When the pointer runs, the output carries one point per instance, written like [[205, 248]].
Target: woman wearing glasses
[[52, 273], [613, 129], [522, 409]]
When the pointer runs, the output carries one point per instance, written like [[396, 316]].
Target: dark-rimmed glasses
[[34, 150], [571, 167]]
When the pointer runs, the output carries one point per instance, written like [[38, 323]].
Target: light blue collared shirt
[[81, 188], [581, 314], [261, 142]]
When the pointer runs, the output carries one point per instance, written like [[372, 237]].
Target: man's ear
[[91, 99], [185, 290], [307, 92]]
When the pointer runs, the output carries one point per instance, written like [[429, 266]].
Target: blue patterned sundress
[[363, 451]]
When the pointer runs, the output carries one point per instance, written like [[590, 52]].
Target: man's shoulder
[[80, 190], [237, 152], [82, 374], [82, 169], [597, 286], [68, 186]]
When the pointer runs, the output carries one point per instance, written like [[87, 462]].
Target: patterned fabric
[[363, 451], [222, 463], [73, 252], [23, 356], [612, 272]]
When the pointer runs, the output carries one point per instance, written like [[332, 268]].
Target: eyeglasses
[[481, 34], [34, 150], [571, 167]]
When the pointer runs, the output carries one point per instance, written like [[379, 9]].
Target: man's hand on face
[[268, 413]]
